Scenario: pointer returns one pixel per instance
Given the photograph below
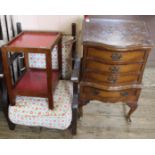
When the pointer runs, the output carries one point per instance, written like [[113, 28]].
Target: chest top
[[116, 34]]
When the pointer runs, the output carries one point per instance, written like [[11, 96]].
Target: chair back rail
[[74, 43]]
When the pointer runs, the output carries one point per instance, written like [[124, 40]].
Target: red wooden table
[[33, 82]]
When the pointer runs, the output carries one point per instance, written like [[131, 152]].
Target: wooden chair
[[34, 111]]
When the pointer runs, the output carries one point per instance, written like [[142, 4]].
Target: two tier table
[[34, 82]]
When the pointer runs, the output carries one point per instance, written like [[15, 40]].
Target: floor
[[101, 120]]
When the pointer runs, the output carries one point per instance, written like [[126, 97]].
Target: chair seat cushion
[[34, 111]]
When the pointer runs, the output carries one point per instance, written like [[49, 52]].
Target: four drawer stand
[[114, 57]]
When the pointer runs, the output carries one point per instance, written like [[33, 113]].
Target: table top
[[32, 39], [116, 34]]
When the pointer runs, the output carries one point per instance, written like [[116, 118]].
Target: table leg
[[26, 60], [49, 78]]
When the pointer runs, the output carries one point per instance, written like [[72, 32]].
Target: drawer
[[111, 79], [100, 67], [90, 93], [115, 57]]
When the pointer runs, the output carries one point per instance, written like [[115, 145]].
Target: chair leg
[[74, 122], [5, 102], [10, 124]]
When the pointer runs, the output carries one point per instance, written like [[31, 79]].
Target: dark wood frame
[[74, 79]]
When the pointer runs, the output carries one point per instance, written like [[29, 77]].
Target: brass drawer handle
[[112, 79], [116, 56], [124, 94], [114, 69]]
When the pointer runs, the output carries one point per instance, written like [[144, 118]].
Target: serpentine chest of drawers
[[114, 57]]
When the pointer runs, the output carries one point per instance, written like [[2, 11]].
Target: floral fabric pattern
[[34, 111], [38, 60]]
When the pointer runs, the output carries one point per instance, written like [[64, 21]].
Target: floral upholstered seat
[[34, 111]]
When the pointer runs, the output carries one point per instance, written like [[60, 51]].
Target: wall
[[51, 22]]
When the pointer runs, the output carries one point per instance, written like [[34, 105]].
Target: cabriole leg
[[133, 106]]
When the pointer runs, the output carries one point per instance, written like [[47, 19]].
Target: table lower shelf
[[34, 83]]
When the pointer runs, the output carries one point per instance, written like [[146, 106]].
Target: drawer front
[[115, 57], [111, 79], [100, 67], [89, 93]]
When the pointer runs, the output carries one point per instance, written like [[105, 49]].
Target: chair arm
[[75, 77]]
